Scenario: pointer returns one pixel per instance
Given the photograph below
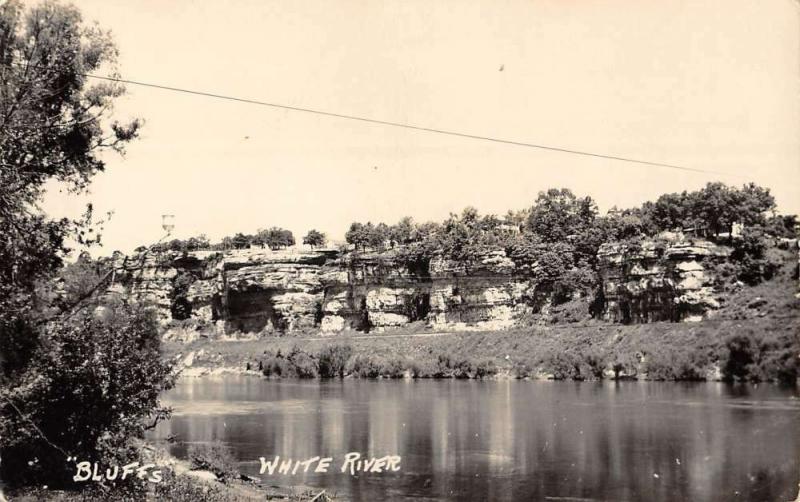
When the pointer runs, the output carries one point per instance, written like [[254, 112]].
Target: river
[[505, 440]]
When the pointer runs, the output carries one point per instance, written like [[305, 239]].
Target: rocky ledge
[[660, 280], [258, 290]]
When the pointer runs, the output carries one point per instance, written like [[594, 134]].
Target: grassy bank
[[755, 349]]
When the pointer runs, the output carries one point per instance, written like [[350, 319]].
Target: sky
[[706, 84]]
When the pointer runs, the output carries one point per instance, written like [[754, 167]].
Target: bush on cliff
[[751, 257]]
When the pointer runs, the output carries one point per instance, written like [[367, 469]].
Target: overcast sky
[[706, 84]]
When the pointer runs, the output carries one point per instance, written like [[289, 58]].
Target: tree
[[558, 214], [402, 232], [713, 209], [199, 242], [52, 122], [241, 241], [378, 236], [670, 211], [783, 225], [314, 238], [55, 126], [275, 238], [357, 235]]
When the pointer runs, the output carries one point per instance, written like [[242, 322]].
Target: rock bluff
[[258, 290]]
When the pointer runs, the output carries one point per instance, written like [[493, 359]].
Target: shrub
[[753, 356], [624, 363], [364, 367], [676, 363], [214, 457], [751, 257], [594, 361], [275, 366], [422, 369], [303, 365], [92, 389], [521, 370], [392, 368], [485, 368], [564, 365], [297, 364], [333, 360]]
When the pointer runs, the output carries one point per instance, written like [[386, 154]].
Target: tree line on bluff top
[[557, 217], [274, 238], [557, 239]]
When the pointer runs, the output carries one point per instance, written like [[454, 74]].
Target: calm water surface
[[507, 440]]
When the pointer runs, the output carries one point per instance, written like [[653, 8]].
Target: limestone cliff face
[[380, 290], [258, 290], [659, 280]]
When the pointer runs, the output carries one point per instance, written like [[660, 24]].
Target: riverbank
[[183, 481], [756, 349]]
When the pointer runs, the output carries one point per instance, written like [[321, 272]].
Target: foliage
[[297, 364], [713, 209], [274, 238], [53, 122], [333, 360], [200, 242], [676, 363], [753, 356], [314, 238], [215, 457], [77, 378], [558, 215], [366, 366], [88, 392], [750, 256], [180, 307]]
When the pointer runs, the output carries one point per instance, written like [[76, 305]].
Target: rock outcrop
[[255, 290], [659, 280]]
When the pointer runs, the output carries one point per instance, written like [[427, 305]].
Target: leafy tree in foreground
[[75, 379], [88, 394]]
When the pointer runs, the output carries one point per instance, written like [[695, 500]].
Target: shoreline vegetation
[[760, 351]]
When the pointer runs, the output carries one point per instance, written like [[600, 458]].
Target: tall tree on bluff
[[69, 383], [314, 238], [559, 214]]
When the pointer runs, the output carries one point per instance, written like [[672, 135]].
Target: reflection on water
[[507, 440]]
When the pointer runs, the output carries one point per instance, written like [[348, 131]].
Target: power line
[[396, 124], [399, 124]]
